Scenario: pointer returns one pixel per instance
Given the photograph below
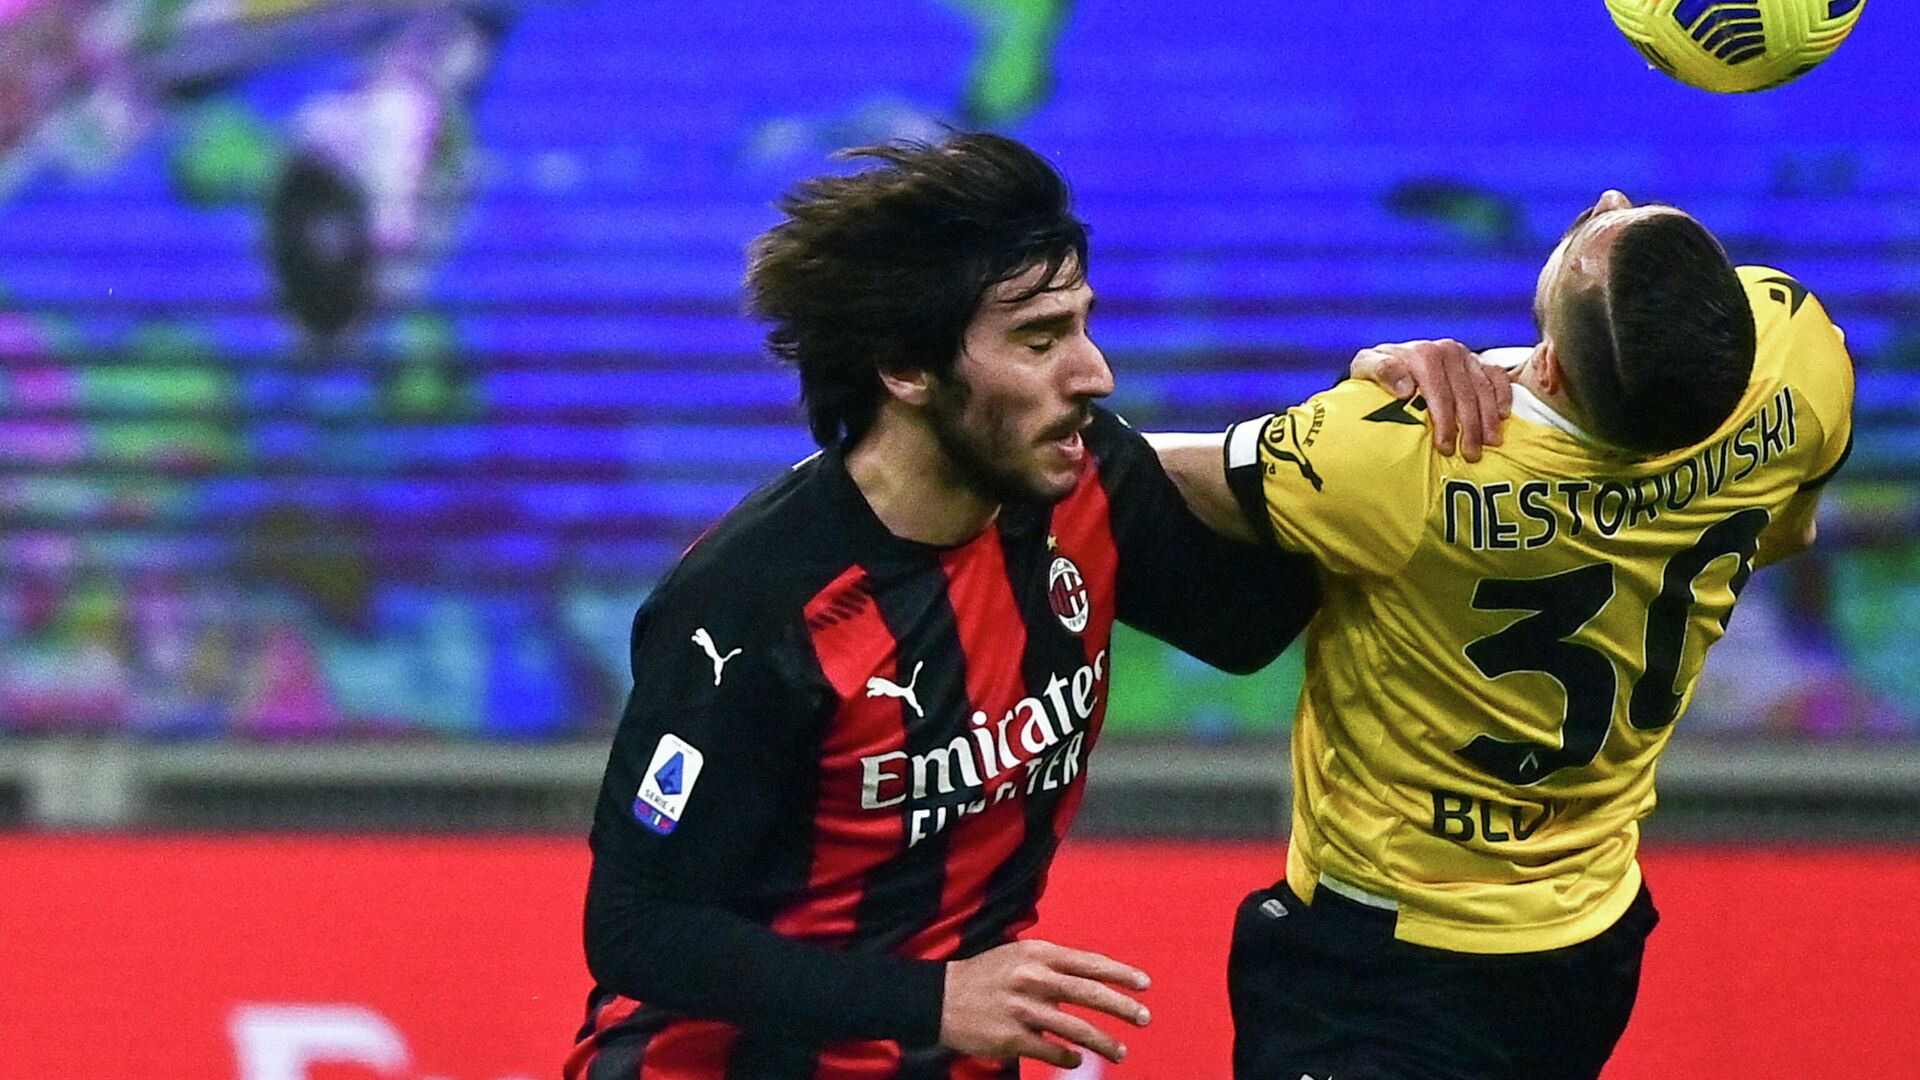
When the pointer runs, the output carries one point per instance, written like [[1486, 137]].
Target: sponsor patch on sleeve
[[664, 789]]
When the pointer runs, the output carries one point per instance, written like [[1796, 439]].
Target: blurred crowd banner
[[364, 362], [282, 958]]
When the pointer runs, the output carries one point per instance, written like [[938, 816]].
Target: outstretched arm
[[1196, 463], [1466, 399]]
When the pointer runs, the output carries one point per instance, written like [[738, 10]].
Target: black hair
[[1658, 357], [883, 269]]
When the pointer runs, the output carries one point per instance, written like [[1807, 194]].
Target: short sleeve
[[1343, 477]]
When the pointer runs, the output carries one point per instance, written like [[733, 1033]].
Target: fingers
[[1100, 996], [1502, 385], [1462, 398], [1488, 401], [1466, 392], [1078, 1032], [1444, 396], [1466, 400], [1385, 368], [1090, 965], [1397, 376], [1033, 1046], [1086, 979], [1006, 1000]]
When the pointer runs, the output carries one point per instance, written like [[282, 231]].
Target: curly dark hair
[[883, 269]]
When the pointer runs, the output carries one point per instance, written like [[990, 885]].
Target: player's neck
[[911, 485], [1530, 375]]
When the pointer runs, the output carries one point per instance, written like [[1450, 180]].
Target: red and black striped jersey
[[850, 757]]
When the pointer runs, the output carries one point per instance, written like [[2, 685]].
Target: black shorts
[[1327, 992]]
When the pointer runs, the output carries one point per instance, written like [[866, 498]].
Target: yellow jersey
[[1504, 645]]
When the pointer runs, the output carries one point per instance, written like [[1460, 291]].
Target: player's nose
[[1612, 199], [1091, 377]]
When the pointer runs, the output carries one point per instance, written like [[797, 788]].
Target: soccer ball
[[1735, 48]]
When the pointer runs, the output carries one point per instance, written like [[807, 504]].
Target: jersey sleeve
[[1344, 477], [1231, 605], [1796, 332], [705, 784]]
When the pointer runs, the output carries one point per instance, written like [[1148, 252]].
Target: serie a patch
[[667, 784]]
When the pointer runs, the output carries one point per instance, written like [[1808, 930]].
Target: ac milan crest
[[1067, 594]]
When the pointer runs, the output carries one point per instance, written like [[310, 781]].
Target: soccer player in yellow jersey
[[1504, 647]]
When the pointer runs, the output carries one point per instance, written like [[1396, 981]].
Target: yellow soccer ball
[[1739, 47]]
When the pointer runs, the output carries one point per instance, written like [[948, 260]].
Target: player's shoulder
[[1363, 401], [767, 557], [1768, 282], [1778, 298], [1359, 417], [1356, 437], [1344, 476], [1798, 341], [1123, 464]]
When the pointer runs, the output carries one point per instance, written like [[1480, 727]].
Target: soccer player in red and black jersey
[[863, 704]]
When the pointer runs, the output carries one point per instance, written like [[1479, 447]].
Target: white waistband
[[1357, 894]]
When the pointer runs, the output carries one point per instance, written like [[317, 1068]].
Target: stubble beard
[[978, 453]]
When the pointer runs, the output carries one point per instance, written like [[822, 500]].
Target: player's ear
[[909, 386], [1552, 378]]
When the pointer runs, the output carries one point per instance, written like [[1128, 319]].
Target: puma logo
[[705, 641], [879, 687]]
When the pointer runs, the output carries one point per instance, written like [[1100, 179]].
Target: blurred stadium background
[[363, 363]]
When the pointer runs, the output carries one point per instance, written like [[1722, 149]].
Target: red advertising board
[[282, 958]]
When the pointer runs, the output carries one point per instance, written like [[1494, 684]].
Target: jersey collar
[[1528, 405]]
